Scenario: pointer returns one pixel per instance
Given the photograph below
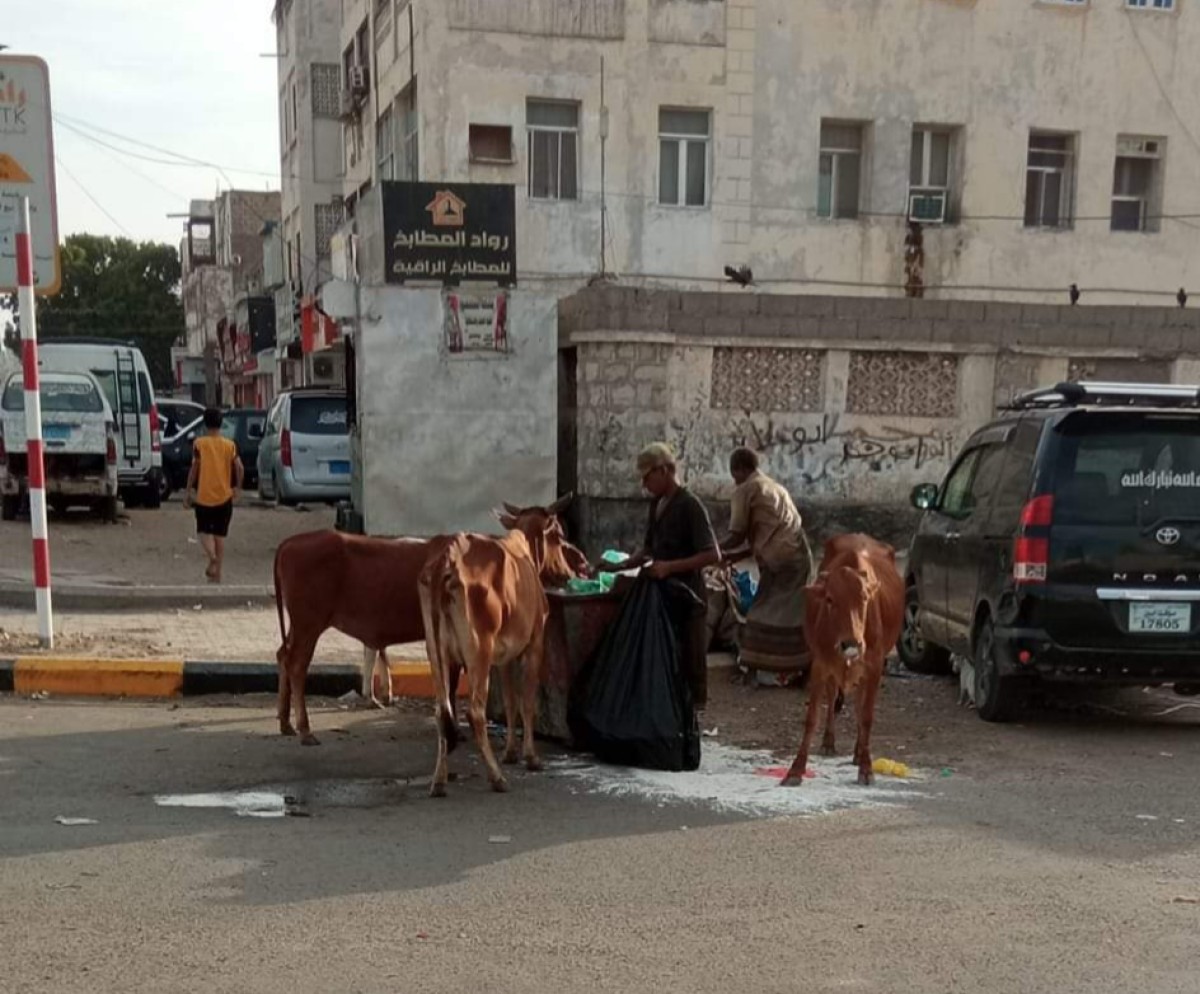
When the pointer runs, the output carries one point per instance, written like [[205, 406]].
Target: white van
[[121, 370]]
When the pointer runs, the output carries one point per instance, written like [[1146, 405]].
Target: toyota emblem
[[1167, 536]]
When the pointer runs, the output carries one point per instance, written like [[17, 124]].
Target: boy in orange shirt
[[215, 463]]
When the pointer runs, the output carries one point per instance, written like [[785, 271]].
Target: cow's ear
[[509, 521], [512, 509]]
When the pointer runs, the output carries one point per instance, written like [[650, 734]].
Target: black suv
[[1064, 545]]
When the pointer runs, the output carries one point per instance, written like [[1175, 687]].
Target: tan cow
[[484, 607], [854, 613], [363, 587]]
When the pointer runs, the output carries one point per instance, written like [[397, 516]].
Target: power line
[[87, 193], [137, 172]]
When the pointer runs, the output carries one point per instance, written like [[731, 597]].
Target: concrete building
[[985, 157], [222, 253], [1045, 143], [310, 164]]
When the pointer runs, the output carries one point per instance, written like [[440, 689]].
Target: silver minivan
[[305, 453]]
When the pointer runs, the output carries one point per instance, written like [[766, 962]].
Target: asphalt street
[[1078, 873]]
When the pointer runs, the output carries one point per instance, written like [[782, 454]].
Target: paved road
[[1035, 881]]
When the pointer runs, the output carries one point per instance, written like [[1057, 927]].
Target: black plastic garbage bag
[[632, 706]]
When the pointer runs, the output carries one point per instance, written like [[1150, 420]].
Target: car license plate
[[1160, 619], [340, 467], [56, 432]]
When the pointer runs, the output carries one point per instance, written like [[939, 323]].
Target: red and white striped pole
[[27, 305]]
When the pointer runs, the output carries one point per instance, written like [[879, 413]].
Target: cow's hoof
[[308, 739], [866, 778], [791, 780], [287, 731], [437, 790], [500, 786], [533, 764], [828, 749]]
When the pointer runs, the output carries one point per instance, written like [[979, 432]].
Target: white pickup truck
[[78, 431]]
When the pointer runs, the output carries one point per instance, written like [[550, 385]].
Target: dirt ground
[[157, 548]]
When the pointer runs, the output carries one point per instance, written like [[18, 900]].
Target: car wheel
[[997, 697], [9, 507], [152, 493], [132, 498], [164, 487], [917, 654], [277, 493]]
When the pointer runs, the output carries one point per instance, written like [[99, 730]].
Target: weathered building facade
[[915, 191]]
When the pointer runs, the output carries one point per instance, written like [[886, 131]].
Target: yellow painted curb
[[89, 677], [413, 679]]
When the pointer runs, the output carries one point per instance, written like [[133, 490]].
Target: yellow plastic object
[[890, 768]]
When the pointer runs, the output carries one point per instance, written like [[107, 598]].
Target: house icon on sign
[[448, 211]]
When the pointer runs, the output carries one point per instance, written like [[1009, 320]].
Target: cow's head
[[842, 597], [556, 558]]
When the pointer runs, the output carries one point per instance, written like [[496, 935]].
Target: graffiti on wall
[[824, 449]]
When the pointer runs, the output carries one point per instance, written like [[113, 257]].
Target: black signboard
[[450, 232]]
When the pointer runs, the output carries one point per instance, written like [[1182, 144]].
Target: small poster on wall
[[476, 322]]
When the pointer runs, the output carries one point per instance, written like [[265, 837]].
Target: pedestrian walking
[[214, 483], [679, 544], [764, 522]]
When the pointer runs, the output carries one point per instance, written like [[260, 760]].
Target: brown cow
[[485, 607], [363, 587], [855, 610]]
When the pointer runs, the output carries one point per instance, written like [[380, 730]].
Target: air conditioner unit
[[322, 367], [359, 82], [927, 206], [348, 106], [1148, 148]]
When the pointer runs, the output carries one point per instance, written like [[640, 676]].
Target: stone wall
[[850, 401]]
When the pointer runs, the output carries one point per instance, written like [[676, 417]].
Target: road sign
[[27, 170]]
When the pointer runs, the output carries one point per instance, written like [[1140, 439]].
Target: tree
[[117, 288]]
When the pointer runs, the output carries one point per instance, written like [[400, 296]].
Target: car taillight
[[155, 430], [1031, 549], [110, 450], [285, 448]]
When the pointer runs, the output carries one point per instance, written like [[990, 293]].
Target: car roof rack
[[84, 340], [1094, 394]]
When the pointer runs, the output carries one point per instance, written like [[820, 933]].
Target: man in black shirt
[[679, 544]]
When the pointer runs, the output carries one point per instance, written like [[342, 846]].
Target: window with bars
[[385, 146], [684, 137], [839, 172], [929, 199], [1137, 184], [1050, 181], [406, 124], [553, 138], [1151, 4], [326, 89]]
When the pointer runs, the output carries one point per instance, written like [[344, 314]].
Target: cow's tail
[[283, 633], [439, 583]]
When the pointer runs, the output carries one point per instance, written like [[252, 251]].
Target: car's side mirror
[[924, 496]]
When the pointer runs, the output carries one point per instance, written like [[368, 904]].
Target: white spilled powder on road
[[726, 781], [245, 803]]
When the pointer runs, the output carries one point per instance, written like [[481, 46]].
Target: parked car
[[177, 456], [246, 426], [175, 415], [79, 445], [305, 453], [1064, 545], [121, 370]]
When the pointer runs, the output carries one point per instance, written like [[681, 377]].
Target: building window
[[363, 40], [407, 127], [1050, 181], [325, 89], [328, 219], [1137, 184], [839, 174], [553, 149], [683, 140], [348, 63], [1151, 4], [490, 142], [930, 175], [385, 146]]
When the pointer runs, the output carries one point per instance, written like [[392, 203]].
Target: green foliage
[[117, 288]]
